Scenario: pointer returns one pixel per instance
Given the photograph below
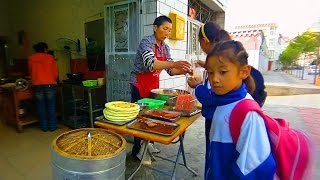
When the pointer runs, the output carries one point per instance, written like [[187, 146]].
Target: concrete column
[[220, 19]]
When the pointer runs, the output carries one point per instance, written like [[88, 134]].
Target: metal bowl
[[3, 81], [75, 76], [168, 95]]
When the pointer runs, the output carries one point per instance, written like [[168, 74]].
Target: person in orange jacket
[[44, 73]]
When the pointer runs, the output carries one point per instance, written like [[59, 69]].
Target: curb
[[286, 90]]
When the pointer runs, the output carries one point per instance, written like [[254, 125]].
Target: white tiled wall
[[184, 2], [170, 3], [178, 48], [163, 8], [179, 81]]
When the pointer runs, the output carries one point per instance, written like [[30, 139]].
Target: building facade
[[255, 44], [195, 12], [272, 35], [192, 14], [125, 23]]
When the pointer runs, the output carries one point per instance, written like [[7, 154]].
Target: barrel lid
[[89, 143]]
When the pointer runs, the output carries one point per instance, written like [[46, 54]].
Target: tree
[[317, 62], [301, 45], [306, 42], [289, 55]]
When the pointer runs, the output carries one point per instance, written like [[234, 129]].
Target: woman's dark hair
[[160, 20], [236, 53], [40, 47], [213, 32]]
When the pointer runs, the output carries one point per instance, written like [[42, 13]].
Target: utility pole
[[304, 59], [317, 63]]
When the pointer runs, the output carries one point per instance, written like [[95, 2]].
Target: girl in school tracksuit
[[209, 34], [230, 79]]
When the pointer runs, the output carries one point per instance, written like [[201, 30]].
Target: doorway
[[122, 27], [95, 45], [3, 57]]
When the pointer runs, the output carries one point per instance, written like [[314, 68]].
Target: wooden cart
[[11, 101]]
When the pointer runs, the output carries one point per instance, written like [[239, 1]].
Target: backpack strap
[[238, 114]]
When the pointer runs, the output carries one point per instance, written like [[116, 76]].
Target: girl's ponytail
[[251, 85], [213, 33], [223, 35]]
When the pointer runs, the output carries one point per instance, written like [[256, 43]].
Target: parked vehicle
[[313, 70]]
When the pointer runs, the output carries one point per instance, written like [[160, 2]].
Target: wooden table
[[12, 99], [184, 123]]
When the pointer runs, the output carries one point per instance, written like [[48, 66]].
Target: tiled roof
[[249, 38], [256, 26], [245, 33]]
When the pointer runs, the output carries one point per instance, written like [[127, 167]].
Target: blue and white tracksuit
[[203, 92], [250, 158]]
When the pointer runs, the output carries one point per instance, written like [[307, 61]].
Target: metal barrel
[[79, 155]]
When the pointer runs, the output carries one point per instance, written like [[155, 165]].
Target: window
[[193, 44], [271, 53], [272, 31], [271, 42], [203, 12], [193, 41]]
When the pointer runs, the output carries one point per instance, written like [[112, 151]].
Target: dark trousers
[[135, 96], [208, 123], [46, 106]]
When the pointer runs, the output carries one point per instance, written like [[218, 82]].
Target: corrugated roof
[[256, 26], [246, 33]]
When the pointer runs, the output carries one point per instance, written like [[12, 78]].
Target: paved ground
[[285, 79]]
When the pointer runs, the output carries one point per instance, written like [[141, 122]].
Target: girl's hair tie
[[204, 34]]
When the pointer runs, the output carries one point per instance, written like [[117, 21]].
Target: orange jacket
[[43, 69]]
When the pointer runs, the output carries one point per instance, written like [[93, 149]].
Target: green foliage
[[302, 44], [289, 55], [306, 42]]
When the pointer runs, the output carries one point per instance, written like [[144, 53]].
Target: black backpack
[[259, 94]]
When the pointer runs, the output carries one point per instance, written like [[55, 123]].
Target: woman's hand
[[200, 63], [182, 65], [193, 82]]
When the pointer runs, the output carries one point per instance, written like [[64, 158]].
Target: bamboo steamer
[[88, 153]]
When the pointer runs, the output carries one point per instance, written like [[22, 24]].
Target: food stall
[[166, 125]]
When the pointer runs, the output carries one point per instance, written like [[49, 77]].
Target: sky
[[292, 16]]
